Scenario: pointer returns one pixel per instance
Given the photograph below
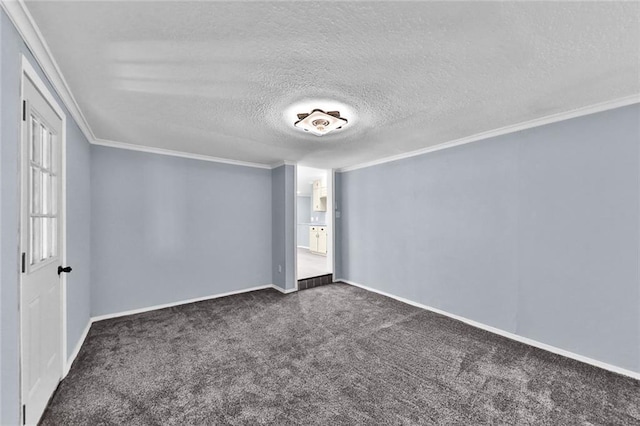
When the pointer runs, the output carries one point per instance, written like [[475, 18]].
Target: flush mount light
[[319, 122]]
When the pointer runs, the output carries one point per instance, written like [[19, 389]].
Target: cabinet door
[[319, 204], [319, 201], [322, 240], [313, 239]]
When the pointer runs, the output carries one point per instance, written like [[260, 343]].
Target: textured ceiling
[[219, 78]]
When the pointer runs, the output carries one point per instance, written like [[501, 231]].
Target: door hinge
[[24, 414], [24, 110], [24, 262]]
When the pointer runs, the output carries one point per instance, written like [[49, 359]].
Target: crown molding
[[181, 154], [554, 118], [283, 163], [21, 18], [18, 13]]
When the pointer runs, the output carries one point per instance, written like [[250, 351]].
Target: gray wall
[[167, 229], [320, 217], [303, 212], [535, 233], [340, 240], [79, 255], [78, 210], [303, 208], [290, 224], [282, 226]]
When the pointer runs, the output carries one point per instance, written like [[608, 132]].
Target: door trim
[[330, 219], [331, 222], [28, 71], [295, 225]]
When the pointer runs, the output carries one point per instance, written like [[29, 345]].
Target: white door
[[40, 240]]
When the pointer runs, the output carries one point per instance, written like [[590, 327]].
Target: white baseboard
[[181, 302], [291, 290], [76, 350], [512, 336], [304, 247]]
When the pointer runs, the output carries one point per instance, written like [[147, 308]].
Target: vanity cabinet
[[318, 239]]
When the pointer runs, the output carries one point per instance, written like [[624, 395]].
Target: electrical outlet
[[279, 269]]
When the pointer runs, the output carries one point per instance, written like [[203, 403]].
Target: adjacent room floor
[[311, 265], [330, 355]]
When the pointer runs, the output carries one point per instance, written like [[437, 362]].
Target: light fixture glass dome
[[319, 122]]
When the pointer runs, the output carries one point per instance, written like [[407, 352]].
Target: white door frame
[[331, 223], [295, 224], [28, 71], [331, 210]]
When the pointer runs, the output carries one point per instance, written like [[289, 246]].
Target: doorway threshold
[[311, 282]]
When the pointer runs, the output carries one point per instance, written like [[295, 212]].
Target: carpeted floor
[[330, 355]]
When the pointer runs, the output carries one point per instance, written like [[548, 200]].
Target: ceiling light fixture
[[319, 122]]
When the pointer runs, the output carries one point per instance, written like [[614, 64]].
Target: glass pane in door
[[43, 193], [35, 141], [45, 238], [46, 193], [34, 195], [46, 148]]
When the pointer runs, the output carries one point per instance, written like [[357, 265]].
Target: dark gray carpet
[[330, 355]]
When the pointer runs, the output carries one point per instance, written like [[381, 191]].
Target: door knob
[[66, 269]]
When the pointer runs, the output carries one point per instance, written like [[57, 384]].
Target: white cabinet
[[319, 197], [313, 239], [318, 239], [322, 240]]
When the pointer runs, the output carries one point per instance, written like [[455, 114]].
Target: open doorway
[[314, 233]]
